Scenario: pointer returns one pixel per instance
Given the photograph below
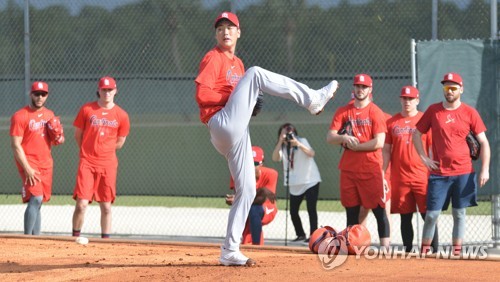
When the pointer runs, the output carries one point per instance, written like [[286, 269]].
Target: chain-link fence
[[153, 49]]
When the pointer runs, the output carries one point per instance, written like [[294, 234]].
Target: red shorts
[[270, 211], [407, 195], [95, 183], [362, 189], [42, 188]]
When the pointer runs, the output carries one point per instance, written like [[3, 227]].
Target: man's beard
[[34, 105], [451, 99]]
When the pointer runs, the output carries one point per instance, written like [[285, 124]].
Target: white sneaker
[[325, 94], [228, 258]]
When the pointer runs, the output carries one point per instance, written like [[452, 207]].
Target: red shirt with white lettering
[[31, 125], [101, 128], [217, 77], [366, 122], [406, 165], [449, 129]]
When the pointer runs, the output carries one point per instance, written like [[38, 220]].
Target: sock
[[105, 236], [76, 233]]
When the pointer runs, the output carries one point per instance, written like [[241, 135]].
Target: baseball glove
[[474, 146], [55, 131], [258, 105], [346, 128]]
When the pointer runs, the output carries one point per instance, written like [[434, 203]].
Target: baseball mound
[[60, 258]]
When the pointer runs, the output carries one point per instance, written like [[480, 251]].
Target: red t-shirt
[[101, 128], [31, 125], [216, 80], [449, 129], [406, 164], [366, 122], [268, 178]]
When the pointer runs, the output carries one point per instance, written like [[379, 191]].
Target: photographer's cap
[[258, 154]]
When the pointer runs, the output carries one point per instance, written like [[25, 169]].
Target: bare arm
[[308, 151], [277, 155], [120, 142], [373, 144], [30, 173], [419, 146], [334, 138], [386, 154], [485, 156], [78, 136]]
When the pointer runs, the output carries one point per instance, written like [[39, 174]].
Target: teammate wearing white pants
[[226, 96]]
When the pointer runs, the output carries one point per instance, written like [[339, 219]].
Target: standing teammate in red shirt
[[409, 174], [226, 96], [101, 128], [32, 151], [264, 207], [452, 174], [361, 176]]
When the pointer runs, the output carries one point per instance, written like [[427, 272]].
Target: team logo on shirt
[[36, 125], [232, 78], [450, 119], [399, 131], [94, 121]]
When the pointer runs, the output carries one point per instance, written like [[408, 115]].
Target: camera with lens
[[290, 136]]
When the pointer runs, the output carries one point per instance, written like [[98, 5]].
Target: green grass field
[[483, 208]]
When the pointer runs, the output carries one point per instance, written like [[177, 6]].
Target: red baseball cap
[[258, 154], [409, 91], [39, 86], [107, 82], [453, 77], [363, 79], [228, 16]]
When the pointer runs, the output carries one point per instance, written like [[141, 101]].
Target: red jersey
[[101, 128], [31, 125], [449, 129], [216, 80], [366, 122], [406, 165], [268, 179]]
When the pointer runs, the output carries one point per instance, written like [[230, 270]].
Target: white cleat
[[325, 94], [231, 258]]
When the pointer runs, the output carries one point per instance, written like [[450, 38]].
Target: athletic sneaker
[[228, 257], [325, 94]]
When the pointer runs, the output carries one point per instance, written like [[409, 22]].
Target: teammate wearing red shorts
[[409, 174], [361, 177], [264, 208], [452, 174], [32, 152], [101, 128], [227, 96]]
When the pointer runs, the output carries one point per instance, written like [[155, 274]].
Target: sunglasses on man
[[38, 94], [453, 88]]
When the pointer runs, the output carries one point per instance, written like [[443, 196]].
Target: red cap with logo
[[453, 77], [409, 91], [258, 154], [363, 79], [39, 86], [228, 16], [107, 82]]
